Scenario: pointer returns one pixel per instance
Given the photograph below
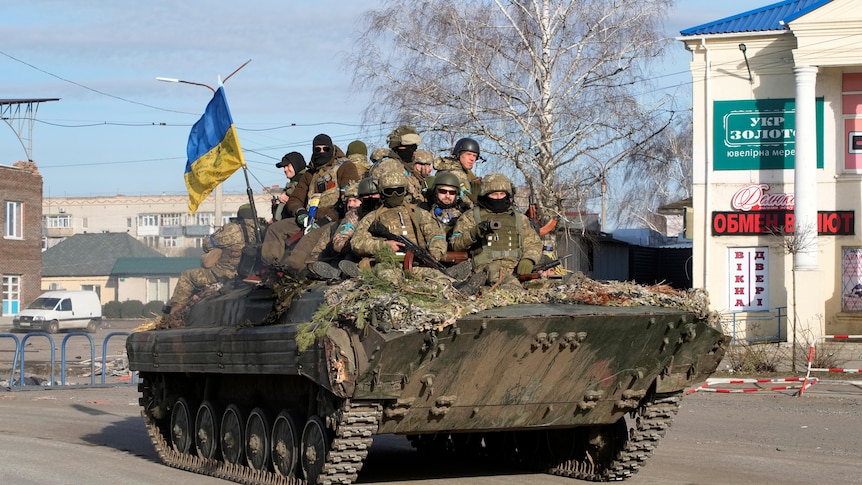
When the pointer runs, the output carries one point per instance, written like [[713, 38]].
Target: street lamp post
[[218, 190]]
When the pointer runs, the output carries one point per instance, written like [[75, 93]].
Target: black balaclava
[[319, 159], [368, 205], [497, 206], [405, 153]]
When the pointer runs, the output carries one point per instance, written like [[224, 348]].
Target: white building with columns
[[777, 120]]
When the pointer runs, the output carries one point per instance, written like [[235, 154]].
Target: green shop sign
[[759, 134]]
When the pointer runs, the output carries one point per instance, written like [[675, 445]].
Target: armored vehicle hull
[[575, 390]]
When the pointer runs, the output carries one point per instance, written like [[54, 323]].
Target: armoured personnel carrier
[[257, 391]]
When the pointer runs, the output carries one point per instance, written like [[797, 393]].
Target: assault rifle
[[377, 229], [538, 269]]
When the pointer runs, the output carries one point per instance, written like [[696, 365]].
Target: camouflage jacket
[[362, 163], [324, 183], [515, 240], [469, 181], [413, 223], [230, 238]]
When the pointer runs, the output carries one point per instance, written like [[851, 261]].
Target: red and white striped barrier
[[724, 381], [815, 369]]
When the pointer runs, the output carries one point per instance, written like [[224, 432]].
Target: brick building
[[21, 244]]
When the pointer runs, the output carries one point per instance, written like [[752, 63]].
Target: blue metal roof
[[768, 18]]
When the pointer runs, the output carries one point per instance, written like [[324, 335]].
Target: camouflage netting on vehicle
[[419, 303], [395, 301]]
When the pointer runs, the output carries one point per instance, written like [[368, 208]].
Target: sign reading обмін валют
[[760, 212], [759, 134]]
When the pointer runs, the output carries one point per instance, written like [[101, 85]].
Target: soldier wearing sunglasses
[[444, 201], [400, 217]]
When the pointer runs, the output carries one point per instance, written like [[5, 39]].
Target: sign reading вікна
[[759, 134]]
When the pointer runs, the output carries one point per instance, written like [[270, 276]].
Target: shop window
[[748, 275], [851, 279]]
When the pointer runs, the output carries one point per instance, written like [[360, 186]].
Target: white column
[[805, 171]]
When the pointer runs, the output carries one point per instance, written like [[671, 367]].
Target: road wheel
[[231, 435], [182, 433], [284, 443], [92, 326], [314, 449], [257, 439], [206, 426], [54, 326]]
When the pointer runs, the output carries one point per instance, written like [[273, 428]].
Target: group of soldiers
[[340, 210]]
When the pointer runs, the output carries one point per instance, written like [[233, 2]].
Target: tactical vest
[[503, 243], [401, 220], [324, 185]]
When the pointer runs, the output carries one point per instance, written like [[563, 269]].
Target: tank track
[[652, 422], [356, 424]]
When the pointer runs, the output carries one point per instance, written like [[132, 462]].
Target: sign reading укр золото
[[759, 134]]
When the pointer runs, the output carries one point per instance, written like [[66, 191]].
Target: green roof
[[153, 266], [92, 254]]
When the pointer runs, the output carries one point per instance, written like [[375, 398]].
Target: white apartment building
[[162, 222]]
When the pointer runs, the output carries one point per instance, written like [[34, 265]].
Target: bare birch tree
[[547, 86], [658, 173]]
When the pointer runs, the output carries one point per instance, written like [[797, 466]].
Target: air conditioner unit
[[62, 210]]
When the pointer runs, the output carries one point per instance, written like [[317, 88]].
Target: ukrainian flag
[[213, 151]]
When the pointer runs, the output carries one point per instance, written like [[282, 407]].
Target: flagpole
[[218, 189]]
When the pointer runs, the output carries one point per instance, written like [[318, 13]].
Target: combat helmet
[[391, 180], [245, 212], [404, 135], [447, 178], [466, 145], [352, 190], [423, 157], [367, 186], [496, 182]]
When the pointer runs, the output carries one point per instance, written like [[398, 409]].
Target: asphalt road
[[96, 437]]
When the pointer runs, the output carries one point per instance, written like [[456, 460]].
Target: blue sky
[[116, 130]]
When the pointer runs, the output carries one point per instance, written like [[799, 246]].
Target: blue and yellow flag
[[213, 151]]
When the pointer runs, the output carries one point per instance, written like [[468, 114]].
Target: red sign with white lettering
[[829, 223]]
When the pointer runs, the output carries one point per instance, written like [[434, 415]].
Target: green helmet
[[495, 182], [367, 186], [244, 212], [447, 178], [392, 179], [404, 135]]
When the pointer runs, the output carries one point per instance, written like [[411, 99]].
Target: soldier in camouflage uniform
[[419, 172], [464, 156], [357, 152], [320, 186], [445, 202], [403, 142], [513, 248], [400, 217], [230, 239], [334, 247]]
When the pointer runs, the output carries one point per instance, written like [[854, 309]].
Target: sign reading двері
[[759, 134]]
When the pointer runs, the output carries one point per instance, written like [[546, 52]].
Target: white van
[[61, 310]]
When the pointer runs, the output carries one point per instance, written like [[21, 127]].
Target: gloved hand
[[525, 266], [481, 230], [301, 217]]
